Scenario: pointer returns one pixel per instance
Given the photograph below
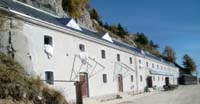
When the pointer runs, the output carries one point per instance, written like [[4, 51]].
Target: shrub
[[15, 84], [74, 8]]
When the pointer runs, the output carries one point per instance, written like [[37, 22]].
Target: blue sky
[[167, 22]]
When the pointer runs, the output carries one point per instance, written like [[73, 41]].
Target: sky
[[174, 23]]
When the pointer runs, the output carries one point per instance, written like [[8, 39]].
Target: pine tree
[[189, 64], [169, 54], [94, 15]]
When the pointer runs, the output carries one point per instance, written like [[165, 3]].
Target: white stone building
[[60, 51]]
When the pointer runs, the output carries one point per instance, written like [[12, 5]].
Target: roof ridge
[[32, 7]]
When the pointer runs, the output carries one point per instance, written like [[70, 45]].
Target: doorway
[[167, 81], [149, 82], [120, 83], [84, 88]]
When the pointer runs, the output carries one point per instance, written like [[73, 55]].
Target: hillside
[[16, 87], [87, 16]]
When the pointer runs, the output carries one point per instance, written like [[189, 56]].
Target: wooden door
[[120, 83], [149, 82], [84, 80]]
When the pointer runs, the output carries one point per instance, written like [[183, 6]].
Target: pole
[[197, 77], [79, 99]]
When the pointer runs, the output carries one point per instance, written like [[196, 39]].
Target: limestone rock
[[55, 7], [51, 6]]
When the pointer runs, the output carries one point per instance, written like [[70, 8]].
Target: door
[[120, 83], [149, 82], [84, 87], [167, 81]]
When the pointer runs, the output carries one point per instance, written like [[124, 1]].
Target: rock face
[[86, 21], [55, 7]]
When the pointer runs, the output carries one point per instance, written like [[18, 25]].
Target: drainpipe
[[197, 77], [136, 70]]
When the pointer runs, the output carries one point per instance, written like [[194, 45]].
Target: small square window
[[103, 54], [48, 40], [104, 78], [49, 78], [82, 47], [118, 57]]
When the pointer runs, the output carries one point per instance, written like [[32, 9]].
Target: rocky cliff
[[55, 7]]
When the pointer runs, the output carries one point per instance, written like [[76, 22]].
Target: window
[[118, 57], [49, 78], [157, 66], [140, 67], [158, 78], [140, 78], [132, 78], [130, 59], [140, 61], [154, 78], [147, 64], [103, 54], [104, 78], [48, 40], [82, 47], [152, 65]]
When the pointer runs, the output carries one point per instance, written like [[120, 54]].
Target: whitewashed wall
[[29, 45]]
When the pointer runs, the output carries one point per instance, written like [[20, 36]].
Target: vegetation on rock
[[3, 20], [15, 84], [74, 8], [142, 41], [95, 15]]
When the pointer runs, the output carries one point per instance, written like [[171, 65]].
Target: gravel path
[[182, 95]]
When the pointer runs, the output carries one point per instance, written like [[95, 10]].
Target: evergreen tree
[[121, 31], [155, 46], [94, 15], [189, 64], [106, 26], [141, 39], [169, 54]]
